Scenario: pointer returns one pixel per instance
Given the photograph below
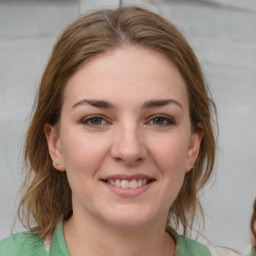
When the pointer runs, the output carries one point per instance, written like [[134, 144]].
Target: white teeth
[[128, 184], [125, 184], [117, 183], [133, 184]]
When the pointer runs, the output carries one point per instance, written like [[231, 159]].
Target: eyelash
[[88, 119], [168, 120]]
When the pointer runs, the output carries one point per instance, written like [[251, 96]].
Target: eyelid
[[86, 120], [169, 119]]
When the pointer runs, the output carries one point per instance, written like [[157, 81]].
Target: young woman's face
[[124, 137]]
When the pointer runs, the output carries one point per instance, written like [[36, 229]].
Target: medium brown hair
[[47, 195]]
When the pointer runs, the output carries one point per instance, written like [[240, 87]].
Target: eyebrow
[[160, 103], [147, 104], [94, 103]]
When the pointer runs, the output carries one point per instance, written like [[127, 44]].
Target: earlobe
[[54, 146], [194, 147]]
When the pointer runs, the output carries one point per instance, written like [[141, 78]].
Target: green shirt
[[26, 244], [251, 252]]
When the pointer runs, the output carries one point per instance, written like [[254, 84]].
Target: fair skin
[[124, 122]]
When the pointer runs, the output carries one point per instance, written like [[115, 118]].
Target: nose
[[129, 146]]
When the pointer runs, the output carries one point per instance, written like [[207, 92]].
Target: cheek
[[82, 156], [170, 157], [82, 153], [171, 153]]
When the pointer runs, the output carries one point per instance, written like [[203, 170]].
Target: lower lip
[[129, 192]]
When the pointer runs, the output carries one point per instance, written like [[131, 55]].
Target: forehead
[[127, 74]]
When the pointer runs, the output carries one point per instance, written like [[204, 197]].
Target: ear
[[194, 146], [54, 146]]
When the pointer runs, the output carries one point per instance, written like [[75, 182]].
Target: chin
[[131, 219]]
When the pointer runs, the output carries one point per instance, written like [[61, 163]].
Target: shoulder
[[250, 252], [22, 244], [186, 246]]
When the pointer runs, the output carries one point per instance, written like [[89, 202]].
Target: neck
[[93, 238]]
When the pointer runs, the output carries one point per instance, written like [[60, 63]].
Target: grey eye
[[161, 121], [96, 121]]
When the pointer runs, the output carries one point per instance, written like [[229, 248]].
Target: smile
[[128, 184]]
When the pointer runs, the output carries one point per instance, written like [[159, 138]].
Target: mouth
[[128, 184]]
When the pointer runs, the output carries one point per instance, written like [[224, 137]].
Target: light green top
[[251, 252], [26, 244]]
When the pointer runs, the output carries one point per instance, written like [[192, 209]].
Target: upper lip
[[128, 177]]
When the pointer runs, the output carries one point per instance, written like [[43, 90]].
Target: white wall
[[223, 35]]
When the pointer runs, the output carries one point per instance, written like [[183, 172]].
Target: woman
[[120, 143]]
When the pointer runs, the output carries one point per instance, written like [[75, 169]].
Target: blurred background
[[223, 35]]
